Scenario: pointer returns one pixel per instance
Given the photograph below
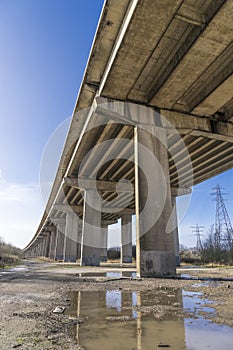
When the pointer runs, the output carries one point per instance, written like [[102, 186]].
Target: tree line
[[9, 253], [217, 249]]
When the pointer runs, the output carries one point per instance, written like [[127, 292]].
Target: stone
[[160, 345], [59, 310]]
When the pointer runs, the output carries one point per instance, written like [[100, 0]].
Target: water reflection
[[113, 299], [117, 319], [111, 274]]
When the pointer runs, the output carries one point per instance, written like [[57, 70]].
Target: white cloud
[[21, 208]]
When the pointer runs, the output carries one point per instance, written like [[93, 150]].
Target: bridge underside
[[153, 118]]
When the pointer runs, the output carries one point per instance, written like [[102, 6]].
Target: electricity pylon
[[223, 232], [198, 230]]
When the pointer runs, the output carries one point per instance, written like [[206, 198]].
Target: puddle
[[207, 284], [194, 303], [185, 276], [111, 274], [187, 267], [18, 269], [142, 320], [121, 274], [13, 269]]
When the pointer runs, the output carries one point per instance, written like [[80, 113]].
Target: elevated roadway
[[154, 116]]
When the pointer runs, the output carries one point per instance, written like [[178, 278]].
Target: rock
[[161, 345], [55, 336], [77, 320], [59, 310], [176, 304]]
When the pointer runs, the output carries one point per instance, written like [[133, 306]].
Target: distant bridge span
[[154, 116]]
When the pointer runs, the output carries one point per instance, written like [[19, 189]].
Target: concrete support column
[[91, 234], [42, 246], [176, 232], [60, 228], [104, 243], [39, 248], [52, 244], [155, 242], [36, 251], [47, 239], [71, 237], [126, 239], [79, 245]]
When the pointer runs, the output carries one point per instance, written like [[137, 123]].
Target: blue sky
[[44, 49]]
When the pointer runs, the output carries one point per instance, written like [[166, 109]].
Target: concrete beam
[[49, 228], [119, 39], [100, 185], [57, 220], [198, 126], [190, 14], [180, 191], [109, 222], [183, 123], [67, 208], [111, 115]]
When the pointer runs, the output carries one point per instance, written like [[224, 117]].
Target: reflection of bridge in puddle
[[117, 319], [110, 274]]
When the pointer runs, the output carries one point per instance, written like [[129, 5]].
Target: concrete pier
[[47, 238], [52, 250], [104, 243], [126, 239], [176, 232], [44, 245], [155, 246], [60, 241], [71, 237], [91, 235]]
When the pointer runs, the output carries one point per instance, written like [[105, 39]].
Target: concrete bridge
[[153, 118]]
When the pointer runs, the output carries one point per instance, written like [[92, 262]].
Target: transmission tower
[[223, 232], [198, 230]]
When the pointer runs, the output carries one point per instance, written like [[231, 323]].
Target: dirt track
[[29, 295]]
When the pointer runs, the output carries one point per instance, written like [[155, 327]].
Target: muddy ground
[[30, 293]]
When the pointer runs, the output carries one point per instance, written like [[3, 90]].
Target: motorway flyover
[[154, 116]]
